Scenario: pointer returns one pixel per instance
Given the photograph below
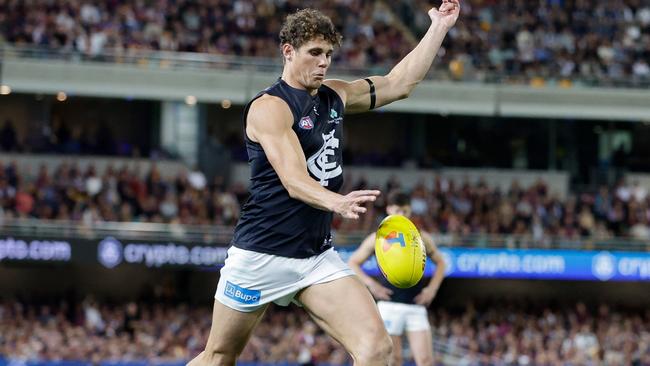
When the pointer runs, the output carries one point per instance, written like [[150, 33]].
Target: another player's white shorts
[[249, 280], [399, 317]]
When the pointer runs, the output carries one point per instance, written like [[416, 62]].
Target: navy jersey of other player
[[271, 221], [404, 295]]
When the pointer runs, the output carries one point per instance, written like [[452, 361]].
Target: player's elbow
[[442, 265], [295, 189], [407, 88], [404, 94], [290, 185], [400, 87], [355, 270], [354, 265], [292, 190]]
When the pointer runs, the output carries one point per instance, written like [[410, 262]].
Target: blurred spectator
[[585, 41], [504, 333], [451, 211], [242, 27], [561, 42], [527, 214]]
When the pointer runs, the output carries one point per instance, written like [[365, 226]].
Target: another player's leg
[[345, 310], [395, 324], [397, 351], [421, 344], [229, 334]]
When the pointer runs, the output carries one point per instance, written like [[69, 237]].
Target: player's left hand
[[426, 296], [447, 14]]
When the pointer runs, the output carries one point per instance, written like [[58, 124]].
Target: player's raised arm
[[269, 123], [376, 91]]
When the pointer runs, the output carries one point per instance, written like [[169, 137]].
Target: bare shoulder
[[354, 94], [267, 113], [268, 106], [339, 86]]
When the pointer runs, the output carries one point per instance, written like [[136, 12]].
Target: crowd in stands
[[508, 334], [497, 334], [117, 194], [443, 207], [532, 214], [539, 41], [605, 42], [240, 27]]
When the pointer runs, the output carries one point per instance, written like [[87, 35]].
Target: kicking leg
[[345, 309]]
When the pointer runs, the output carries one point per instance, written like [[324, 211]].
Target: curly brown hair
[[305, 25]]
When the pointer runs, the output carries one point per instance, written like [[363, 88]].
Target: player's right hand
[[447, 14], [351, 205], [380, 292]]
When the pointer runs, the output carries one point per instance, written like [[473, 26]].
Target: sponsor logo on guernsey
[[306, 123], [242, 295], [334, 117]]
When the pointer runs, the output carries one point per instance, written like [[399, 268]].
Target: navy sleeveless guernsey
[[272, 222], [404, 295]]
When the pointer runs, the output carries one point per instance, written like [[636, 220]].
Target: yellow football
[[400, 252]]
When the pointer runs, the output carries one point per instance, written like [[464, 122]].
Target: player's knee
[[377, 351]]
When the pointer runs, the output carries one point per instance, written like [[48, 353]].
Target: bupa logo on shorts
[[109, 252], [243, 295], [306, 123]]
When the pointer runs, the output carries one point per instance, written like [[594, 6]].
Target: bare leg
[[421, 343], [397, 350], [229, 334], [345, 310]]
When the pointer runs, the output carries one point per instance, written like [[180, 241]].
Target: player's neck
[[294, 82]]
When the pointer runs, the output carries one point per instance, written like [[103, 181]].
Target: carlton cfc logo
[[320, 165], [306, 123]]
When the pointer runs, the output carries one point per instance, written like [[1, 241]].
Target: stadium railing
[[220, 235], [215, 78], [200, 61]]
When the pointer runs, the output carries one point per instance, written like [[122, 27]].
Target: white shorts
[[399, 317], [249, 280]]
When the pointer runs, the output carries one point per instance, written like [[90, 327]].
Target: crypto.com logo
[[109, 252]]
